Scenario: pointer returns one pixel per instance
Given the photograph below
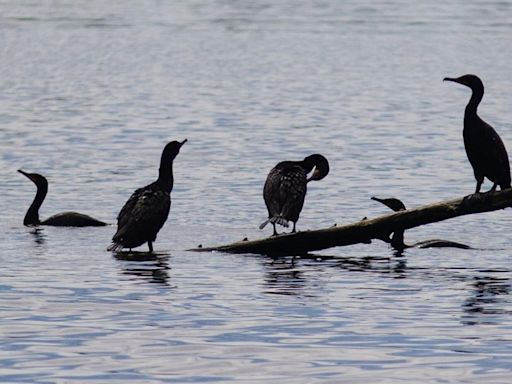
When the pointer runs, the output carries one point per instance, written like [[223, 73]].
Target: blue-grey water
[[90, 91]]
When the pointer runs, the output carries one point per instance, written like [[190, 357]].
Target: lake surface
[[92, 90]]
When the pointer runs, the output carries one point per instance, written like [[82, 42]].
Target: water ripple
[[92, 90]]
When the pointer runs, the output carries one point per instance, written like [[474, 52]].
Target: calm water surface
[[92, 90]]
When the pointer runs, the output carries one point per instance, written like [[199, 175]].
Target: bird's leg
[[477, 194], [478, 185], [486, 196], [478, 197], [293, 230], [275, 232], [150, 245]]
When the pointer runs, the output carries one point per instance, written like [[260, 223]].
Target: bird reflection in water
[[488, 298], [395, 266], [296, 275], [150, 267], [283, 277], [38, 235]]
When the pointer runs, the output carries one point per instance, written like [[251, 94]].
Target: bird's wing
[[292, 191], [147, 208], [496, 153], [472, 142], [126, 212], [271, 191]]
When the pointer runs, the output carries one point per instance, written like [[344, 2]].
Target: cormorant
[[397, 240], [64, 219], [147, 209], [286, 186], [484, 147]]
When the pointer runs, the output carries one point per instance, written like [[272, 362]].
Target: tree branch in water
[[365, 231]]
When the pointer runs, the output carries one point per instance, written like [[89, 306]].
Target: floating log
[[366, 230]]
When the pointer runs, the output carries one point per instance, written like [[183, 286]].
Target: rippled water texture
[[92, 90]]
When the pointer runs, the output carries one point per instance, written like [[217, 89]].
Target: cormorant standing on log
[[147, 209], [286, 186], [484, 147], [397, 240], [64, 219]]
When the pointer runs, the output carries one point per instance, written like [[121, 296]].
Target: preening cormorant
[[64, 219], [484, 147], [286, 186], [147, 209], [397, 240]]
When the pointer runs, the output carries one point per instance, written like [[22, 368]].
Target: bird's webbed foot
[[476, 198], [494, 186]]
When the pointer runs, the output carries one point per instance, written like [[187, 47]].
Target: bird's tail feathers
[[115, 247], [275, 220], [264, 224], [280, 220]]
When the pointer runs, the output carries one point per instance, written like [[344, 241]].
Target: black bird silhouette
[[147, 209], [484, 147], [397, 240], [64, 219], [286, 186]]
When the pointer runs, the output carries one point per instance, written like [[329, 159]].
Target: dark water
[[92, 90]]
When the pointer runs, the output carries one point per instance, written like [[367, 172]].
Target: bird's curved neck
[[307, 165], [32, 216], [476, 97], [165, 177]]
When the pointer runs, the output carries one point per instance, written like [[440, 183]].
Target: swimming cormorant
[[64, 219], [286, 186], [484, 147], [397, 240], [147, 209]]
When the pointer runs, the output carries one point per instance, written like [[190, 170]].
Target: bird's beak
[[183, 142], [25, 174], [451, 79], [315, 176], [321, 170]]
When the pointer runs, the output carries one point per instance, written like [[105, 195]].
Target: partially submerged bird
[[397, 240], [484, 147], [147, 209], [285, 189], [64, 219]]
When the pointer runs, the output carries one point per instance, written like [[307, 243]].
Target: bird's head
[[471, 81], [395, 204], [36, 178], [172, 149], [320, 164]]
